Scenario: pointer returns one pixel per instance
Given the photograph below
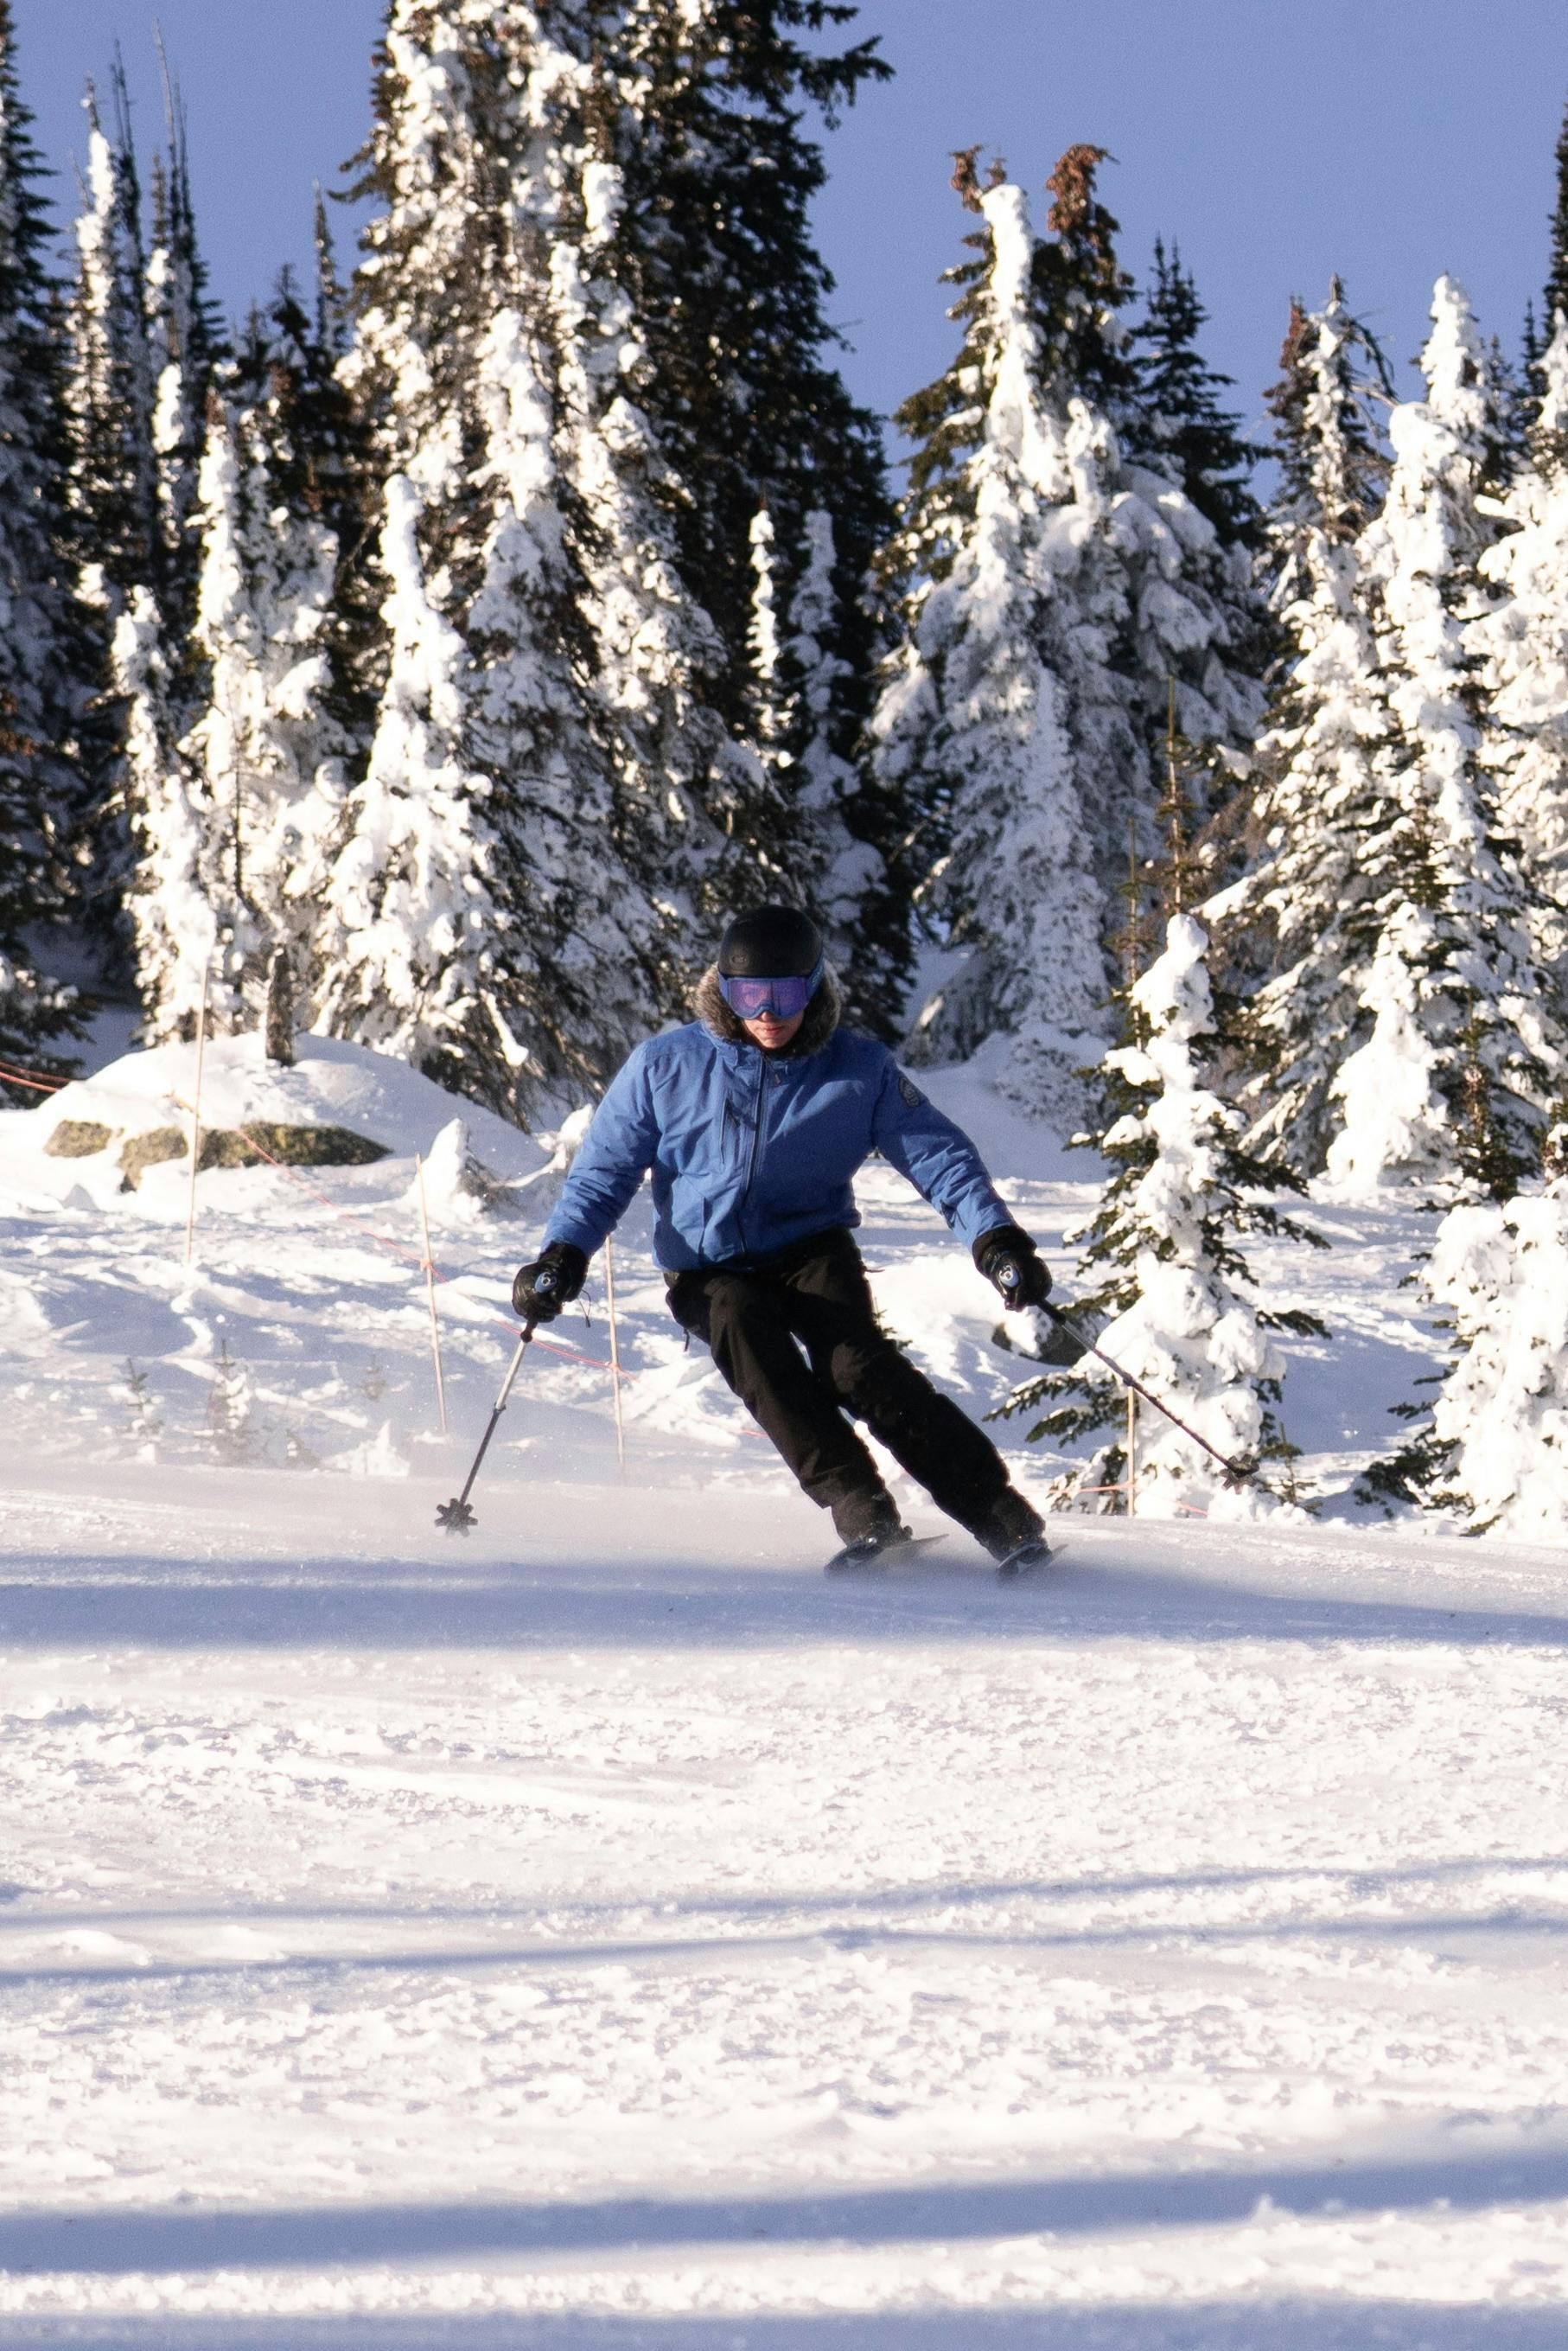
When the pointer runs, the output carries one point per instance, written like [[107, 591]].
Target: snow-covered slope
[[609, 1934]]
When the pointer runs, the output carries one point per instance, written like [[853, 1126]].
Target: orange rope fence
[[35, 1083]]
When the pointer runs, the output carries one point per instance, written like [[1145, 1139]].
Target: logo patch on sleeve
[[910, 1091]]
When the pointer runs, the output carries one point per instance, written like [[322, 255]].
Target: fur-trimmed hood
[[821, 1015]]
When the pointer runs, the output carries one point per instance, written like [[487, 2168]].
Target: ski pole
[[455, 1516], [1234, 1475]]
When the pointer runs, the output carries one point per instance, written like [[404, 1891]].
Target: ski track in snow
[[609, 1933]]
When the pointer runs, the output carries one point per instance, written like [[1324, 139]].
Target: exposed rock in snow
[[332, 1084]]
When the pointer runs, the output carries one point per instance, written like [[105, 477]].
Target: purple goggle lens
[[748, 999]]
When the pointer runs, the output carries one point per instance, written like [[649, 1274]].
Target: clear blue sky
[[1275, 140]]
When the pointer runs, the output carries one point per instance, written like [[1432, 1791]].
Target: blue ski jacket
[[750, 1152]]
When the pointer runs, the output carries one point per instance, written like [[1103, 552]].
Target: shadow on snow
[[461, 1600]]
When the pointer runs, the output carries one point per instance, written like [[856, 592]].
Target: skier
[[754, 1119]]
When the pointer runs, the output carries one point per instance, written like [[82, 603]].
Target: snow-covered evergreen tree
[[1303, 923], [1555, 303], [419, 942], [1081, 288], [794, 727], [683, 790], [35, 787], [112, 531], [999, 708], [141, 342], [731, 289], [1453, 962], [1522, 645], [109, 386], [1494, 1444], [265, 755], [183, 343], [501, 157], [1067, 609], [454, 930], [323, 471], [716, 253], [1164, 1262], [1197, 643], [845, 873], [529, 934], [177, 917], [1328, 443], [1181, 397]]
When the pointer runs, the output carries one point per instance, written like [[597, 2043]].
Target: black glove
[[552, 1281], [1007, 1256]]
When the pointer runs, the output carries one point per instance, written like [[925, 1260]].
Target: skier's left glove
[[552, 1281], [1007, 1256]]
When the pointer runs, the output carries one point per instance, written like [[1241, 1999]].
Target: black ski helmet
[[771, 943]]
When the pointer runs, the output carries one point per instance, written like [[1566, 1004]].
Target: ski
[[873, 1562], [1030, 1558]]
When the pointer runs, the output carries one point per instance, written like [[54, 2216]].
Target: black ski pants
[[759, 1316]]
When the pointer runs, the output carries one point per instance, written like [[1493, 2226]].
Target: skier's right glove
[[552, 1281], [1007, 1256]]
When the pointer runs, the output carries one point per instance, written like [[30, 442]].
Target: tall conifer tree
[[323, 465], [1001, 714], [1555, 300], [1539, 332], [1184, 412], [35, 715], [257, 782], [1453, 1083], [1066, 611], [183, 343], [1522, 644], [687, 802], [1332, 462], [486, 366], [111, 536], [1197, 644], [732, 294], [796, 724], [1302, 920]]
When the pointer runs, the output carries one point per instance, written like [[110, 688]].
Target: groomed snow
[[609, 1933]]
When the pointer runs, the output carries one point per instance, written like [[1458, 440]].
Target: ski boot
[[1014, 1535], [885, 1538]]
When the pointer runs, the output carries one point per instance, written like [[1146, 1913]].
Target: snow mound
[[331, 1084], [458, 1188]]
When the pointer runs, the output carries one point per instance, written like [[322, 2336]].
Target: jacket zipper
[[756, 1145]]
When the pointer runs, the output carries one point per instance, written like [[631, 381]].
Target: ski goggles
[[786, 999]]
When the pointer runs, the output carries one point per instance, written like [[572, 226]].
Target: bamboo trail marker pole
[[429, 1288], [615, 1360], [1132, 1454], [196, 1111]]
